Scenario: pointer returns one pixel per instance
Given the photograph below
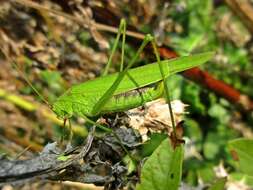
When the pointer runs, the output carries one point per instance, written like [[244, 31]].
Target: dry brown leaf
[[155, 117]]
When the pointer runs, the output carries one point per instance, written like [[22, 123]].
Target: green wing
[[142, 76]]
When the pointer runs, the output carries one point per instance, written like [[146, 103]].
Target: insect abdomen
[[78, 104], [133, 98]]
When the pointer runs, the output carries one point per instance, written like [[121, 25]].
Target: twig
[[220, 88], [98, 26], [45, 166]]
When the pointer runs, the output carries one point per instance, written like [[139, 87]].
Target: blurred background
[[61, 43]]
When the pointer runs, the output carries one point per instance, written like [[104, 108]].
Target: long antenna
[[14, 64]]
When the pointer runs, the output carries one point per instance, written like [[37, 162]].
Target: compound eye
[[66, 114]]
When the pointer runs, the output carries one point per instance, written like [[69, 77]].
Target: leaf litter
[[98, 161]]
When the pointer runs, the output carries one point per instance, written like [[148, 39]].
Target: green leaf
[[191, 95], [211, 146], [55, 83], [242, 151], [52, 78], [241, 178], [131, 164], [163, 169], [206, 173], [219, 112], [219, 184], [155, 140], [63, 158], [193, 131]]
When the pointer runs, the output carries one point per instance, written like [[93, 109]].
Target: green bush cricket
[[124, 90]]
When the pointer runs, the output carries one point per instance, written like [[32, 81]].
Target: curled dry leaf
[[220, 170], [155, 117]]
